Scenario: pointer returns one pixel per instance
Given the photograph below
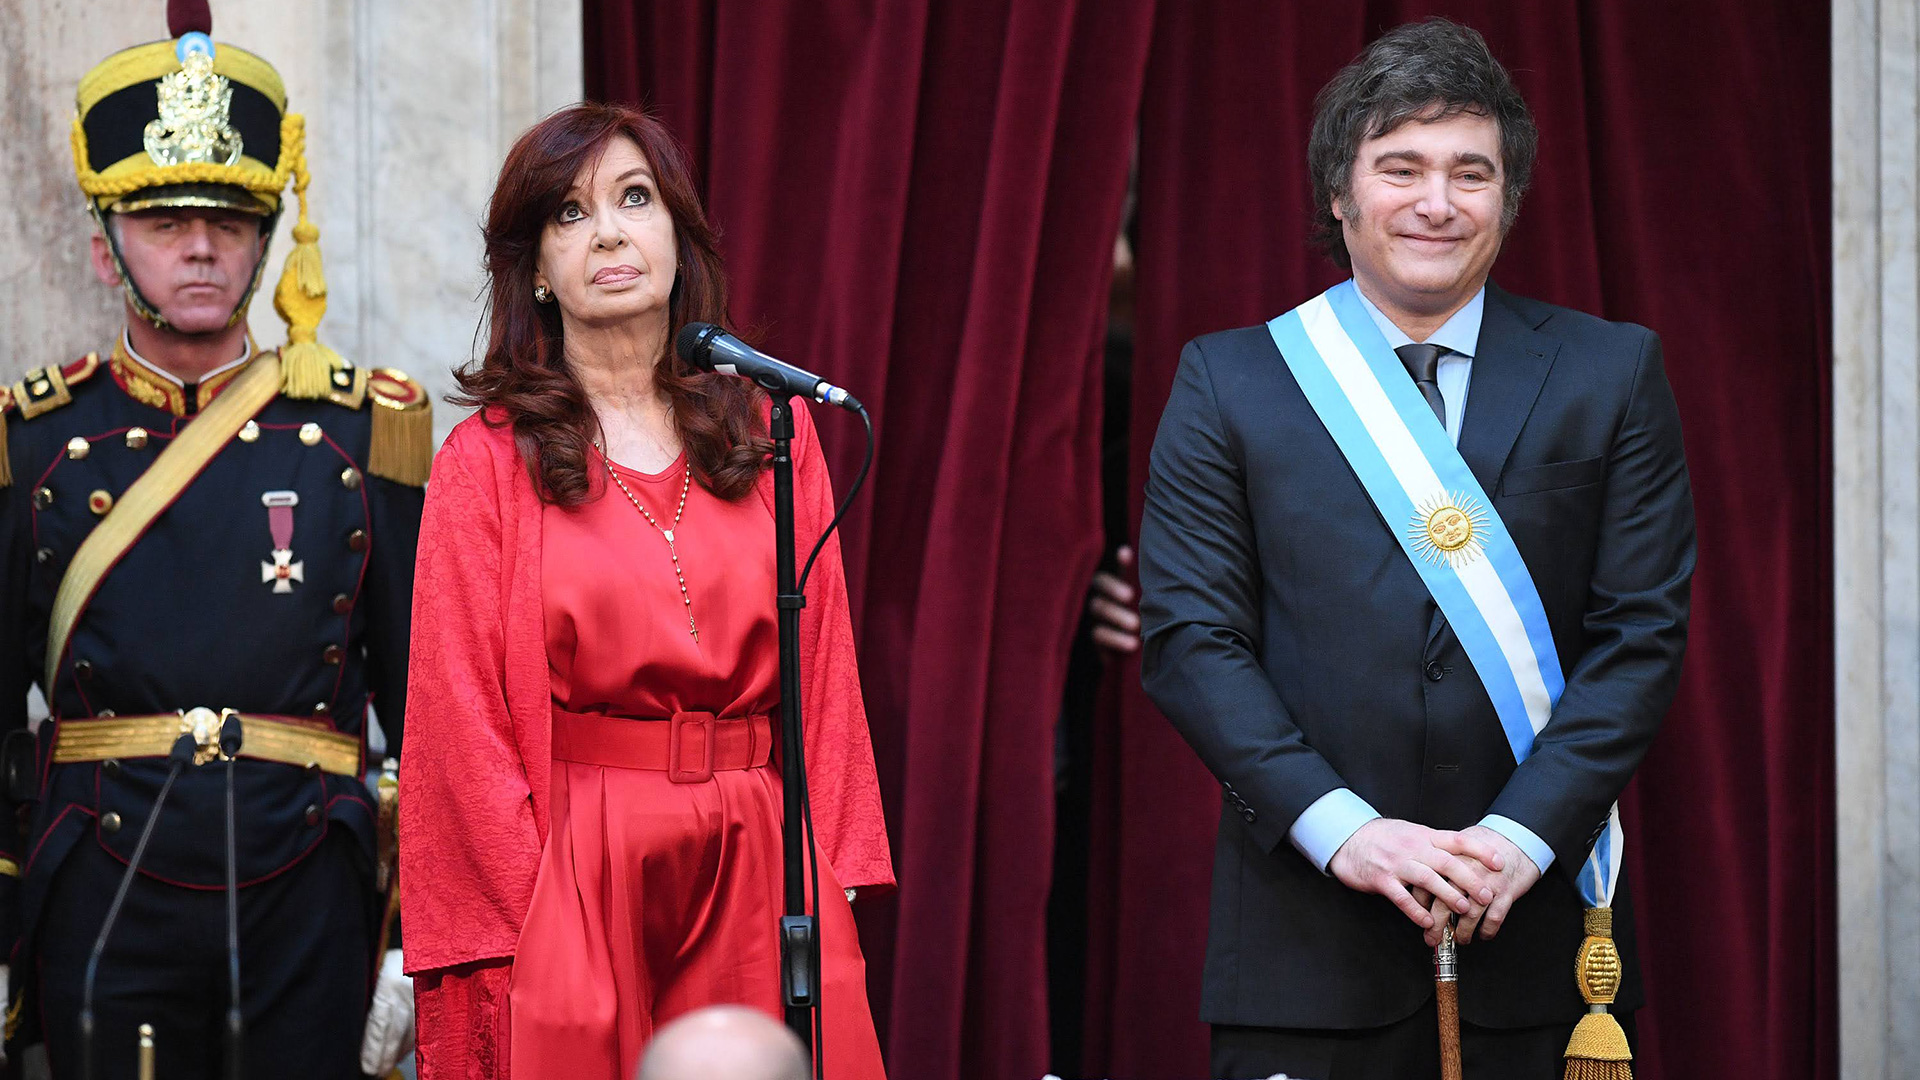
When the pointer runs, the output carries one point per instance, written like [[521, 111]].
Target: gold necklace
[[686, 482]]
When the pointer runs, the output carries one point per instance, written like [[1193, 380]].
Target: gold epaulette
[[42, 390], [402, 444]]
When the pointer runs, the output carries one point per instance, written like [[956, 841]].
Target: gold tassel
[[401, 449], [307, 366], [1598, 1049]]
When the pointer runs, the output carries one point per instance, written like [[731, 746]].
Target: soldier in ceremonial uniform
[[200, 536]]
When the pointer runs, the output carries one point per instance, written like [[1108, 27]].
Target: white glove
[[390, 1021]]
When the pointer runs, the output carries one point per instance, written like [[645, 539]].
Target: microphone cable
[[859, 478], [230, 739], [806, 798], [178, 758]]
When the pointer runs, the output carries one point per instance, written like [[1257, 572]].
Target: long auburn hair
[[523, 377]]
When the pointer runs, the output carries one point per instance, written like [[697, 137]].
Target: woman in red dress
[[595, 586]]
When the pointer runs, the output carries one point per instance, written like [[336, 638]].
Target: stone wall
[[410, 108], [1876, 411]]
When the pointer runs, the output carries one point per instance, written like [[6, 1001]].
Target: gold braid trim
[[293, 138]]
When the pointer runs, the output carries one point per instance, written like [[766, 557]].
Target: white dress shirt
[[1333, 818]]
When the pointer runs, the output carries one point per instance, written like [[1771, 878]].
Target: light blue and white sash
[[1443, 520]]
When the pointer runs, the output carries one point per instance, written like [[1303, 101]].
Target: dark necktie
[[1422, 361]]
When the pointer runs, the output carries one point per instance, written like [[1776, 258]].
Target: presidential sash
[[1443, 521]]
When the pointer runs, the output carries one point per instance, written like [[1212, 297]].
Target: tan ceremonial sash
[[149, 497]]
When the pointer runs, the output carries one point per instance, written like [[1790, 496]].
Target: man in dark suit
[[1371, 792]]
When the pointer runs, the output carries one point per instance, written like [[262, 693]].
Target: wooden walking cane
[[1446, 994]]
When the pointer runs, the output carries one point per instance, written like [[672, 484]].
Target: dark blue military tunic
[[195, 615]]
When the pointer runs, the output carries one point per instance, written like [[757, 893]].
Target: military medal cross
[[280, 569]]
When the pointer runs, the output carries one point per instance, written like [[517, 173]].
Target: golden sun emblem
[[1447, 528]]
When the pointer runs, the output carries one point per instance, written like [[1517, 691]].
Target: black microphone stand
[[179, 758], [799, 931], [230, 739]]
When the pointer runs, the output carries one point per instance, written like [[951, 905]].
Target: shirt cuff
[[1523, 838], [1322, 827]]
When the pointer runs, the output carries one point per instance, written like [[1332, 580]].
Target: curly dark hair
[[523, 378], [1417, 73]]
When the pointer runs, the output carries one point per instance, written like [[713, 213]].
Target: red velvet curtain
[[1683, 184], [920, 199]]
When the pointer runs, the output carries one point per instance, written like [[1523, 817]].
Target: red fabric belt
[[688, 747]]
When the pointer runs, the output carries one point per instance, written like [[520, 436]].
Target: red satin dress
[[655, 898]]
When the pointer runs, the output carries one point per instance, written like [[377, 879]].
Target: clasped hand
[[1473, 875]]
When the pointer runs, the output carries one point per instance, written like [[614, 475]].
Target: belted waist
[[287, 740], [688, 746]]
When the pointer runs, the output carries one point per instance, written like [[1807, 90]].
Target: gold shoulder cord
[[150, 495]]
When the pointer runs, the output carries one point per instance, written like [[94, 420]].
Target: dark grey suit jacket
[[1293, 644]]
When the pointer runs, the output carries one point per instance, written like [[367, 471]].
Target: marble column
[[1876, 414], [410, 108]]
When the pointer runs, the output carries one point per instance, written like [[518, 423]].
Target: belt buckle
[[677, 771], [204, 725]]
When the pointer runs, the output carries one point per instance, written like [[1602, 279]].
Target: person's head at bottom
[[724, 1042]]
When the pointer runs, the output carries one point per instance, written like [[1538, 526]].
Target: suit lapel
[[1509, 367]]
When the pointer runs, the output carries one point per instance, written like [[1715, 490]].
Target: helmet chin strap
[[146, 309]]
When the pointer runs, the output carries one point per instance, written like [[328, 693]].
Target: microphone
[[710, 348], [230, 739], [178, 758]]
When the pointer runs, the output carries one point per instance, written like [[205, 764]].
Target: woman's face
[[608, 253]]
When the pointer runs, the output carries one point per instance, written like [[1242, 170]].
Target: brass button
[[83, 668], [100, 502], [105, 714], [310, 434], [111, 766], [43, 497], [43, 554], [350, 478], [110, 822], [342, 379], [78, 447], [249, 431], [357, 540], [322, 709], [332, 654], [342, 604], [313, 814], [136, 438]]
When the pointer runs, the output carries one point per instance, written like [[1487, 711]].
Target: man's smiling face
[[1422, 218]]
